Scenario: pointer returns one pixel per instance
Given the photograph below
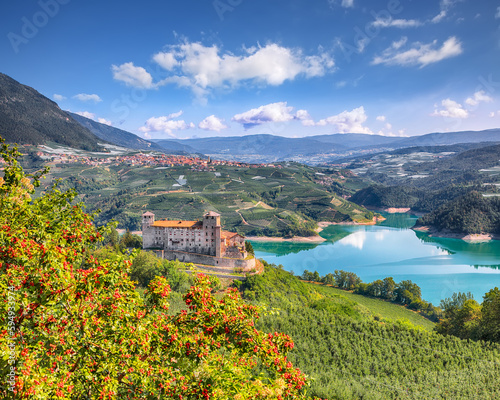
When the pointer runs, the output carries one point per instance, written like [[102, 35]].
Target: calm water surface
[[439, 266]]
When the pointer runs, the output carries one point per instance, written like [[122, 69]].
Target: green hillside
[[254, 201], [27, 117], [354, 349]]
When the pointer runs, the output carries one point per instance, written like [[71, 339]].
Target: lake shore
[[323, 224], [296, 239], [311, 239], [432, 232]]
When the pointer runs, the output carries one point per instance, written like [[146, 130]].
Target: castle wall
[[245, 265]]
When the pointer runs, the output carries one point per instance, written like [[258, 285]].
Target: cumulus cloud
[[90, 115], [165, 124], [381, 118], [419, 53], [497, 15], [348, 121], [274, 112], [104, 121], [304, 117], [58, 97], [87, 97], [212, 123], [451, 109], [396, 23], [133, 76], [86, 114], [202, 68], [477, 98], [166, 60]]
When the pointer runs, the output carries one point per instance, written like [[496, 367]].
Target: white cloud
[[445, 6], [497, 15], [477, 98], [132, 76], [451, 109], [165, 60], [439, 17], [86, 114], [104, 121], [492, 114], [87, 97], [348, 121], [381, 118], [343, 3], [274, 112], [419, 53], [165, 124], [304, 117], [212, 123], [396, 23], [202, 68], [92, 116], [59, 97]]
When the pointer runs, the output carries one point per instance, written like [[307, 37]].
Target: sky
[[295, 68]]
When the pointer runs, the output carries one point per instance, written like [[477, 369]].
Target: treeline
[[418, 199], [405, 292], [470, 214], [465, 318]]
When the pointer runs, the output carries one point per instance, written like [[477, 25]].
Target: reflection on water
[[439, 266], [282, 248], [399, 221]]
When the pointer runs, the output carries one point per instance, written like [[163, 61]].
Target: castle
[[202, 242]]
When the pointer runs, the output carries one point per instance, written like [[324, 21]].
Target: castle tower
[[148, 219], [212, 228]]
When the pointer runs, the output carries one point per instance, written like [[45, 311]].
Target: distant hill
[[114, 135], [174, 146], [470, 214], [271, 148], [448, 138], [274, 147], [356, 140], [27, 117], [438, 181]]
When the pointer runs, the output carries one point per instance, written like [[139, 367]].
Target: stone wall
[[244, 265]]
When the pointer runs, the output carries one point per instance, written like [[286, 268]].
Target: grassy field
[[379, 308]]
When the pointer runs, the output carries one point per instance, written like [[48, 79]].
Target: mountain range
[[28, 117]]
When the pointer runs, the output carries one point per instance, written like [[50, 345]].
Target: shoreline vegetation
[[312, 239], [433, 232]]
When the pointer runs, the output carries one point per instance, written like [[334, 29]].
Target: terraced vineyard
[[285, 200]]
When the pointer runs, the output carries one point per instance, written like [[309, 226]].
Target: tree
[[130, 241], [406, 292], [388, 288], [249, 248], [490, 329], [80, 330]]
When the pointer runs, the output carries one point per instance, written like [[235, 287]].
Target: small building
[[201, 242]]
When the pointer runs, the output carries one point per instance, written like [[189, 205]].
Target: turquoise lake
[[439, 266]]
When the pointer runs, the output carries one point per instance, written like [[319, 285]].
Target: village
[[152, 159]]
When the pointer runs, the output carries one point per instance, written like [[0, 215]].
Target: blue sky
[[198, 68]]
